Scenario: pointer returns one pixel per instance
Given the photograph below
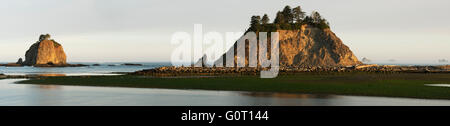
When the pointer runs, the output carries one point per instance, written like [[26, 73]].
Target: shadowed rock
[[20, 61]]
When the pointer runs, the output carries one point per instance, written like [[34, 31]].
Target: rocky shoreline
[[3, 76], [179, 71]]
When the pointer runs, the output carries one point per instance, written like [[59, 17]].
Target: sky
[[404, 31]]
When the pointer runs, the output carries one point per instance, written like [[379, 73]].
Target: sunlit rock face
[[45, 51], [312, 46], [307, 46]]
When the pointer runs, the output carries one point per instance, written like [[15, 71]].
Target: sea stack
[[308, 46], [312, 46], [46, 51]]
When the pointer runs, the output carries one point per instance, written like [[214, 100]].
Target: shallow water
[[103, 69], [50, 95], [438, 85]]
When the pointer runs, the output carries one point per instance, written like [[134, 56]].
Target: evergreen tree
[[288, 15], [285, 20], [265, 19], [308, 20], [316, 17], [298, 14], [279, 19], [255, 22]]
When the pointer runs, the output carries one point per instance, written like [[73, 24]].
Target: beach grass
[[411, 85]]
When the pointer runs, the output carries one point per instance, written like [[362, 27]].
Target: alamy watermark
[[210, 46]]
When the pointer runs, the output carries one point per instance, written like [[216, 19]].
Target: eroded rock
[[308, 46], [45, 52]]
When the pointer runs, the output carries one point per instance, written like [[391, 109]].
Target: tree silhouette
[[319, 21], [279, 19], [265, 19], [255, 23], [298, 14], [288, 19], [255, 20], [288, 15], [316, 17]]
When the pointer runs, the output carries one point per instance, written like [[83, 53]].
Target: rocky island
[[307, 44], [45, 52]]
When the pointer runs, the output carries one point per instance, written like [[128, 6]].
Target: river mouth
[[55, 95]]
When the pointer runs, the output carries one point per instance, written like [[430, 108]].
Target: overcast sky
[[415, 31]]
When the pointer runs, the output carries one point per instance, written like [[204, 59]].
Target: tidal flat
[[408, 85]]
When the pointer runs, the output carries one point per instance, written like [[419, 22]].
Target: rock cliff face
[[45, 52], [312, 46], [309, 46]]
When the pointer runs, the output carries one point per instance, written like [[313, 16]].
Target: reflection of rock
[[60, 65], [45, 51], [51, 75], [49, 87], [287, 95]]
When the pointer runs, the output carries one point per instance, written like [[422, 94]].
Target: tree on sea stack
[[305, 41], [265, 19], [45, 52], [298, 14]]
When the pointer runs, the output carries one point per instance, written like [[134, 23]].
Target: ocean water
[[12, 94], [103, 69]]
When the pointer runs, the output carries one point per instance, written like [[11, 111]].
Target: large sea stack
[[304, 41], [45, 52], [312, 46], [309, 46]]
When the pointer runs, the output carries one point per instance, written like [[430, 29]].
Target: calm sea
[[103, 69]]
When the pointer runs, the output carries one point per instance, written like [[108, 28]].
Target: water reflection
[[44, 95], [48, 87], [51, 75], [287, 95], [306, 99], [438, 85], [51, 95]]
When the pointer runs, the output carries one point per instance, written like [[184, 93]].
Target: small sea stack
[[46, 51]]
